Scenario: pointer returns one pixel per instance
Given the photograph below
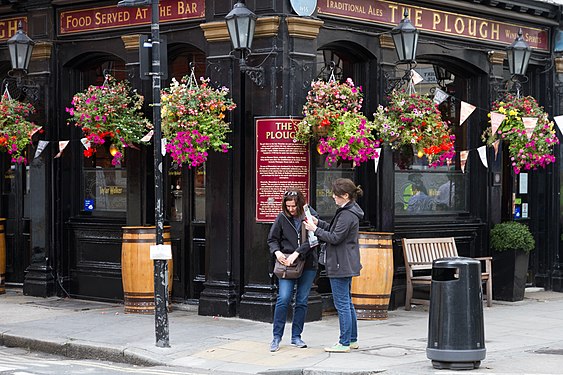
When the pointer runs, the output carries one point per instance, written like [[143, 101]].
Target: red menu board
[[281, 164]]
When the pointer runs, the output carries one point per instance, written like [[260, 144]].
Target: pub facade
[[65, 213]]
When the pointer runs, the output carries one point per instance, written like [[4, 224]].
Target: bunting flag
[[463, 159], [40, 147], [62, 146], [85, 142], [34, 130], [559, 122], [415, 77], [440, 96], [163, 143], [376, 160], [483, 155], [530, 124], [495, 146], [496, 120], [147, 136], [466, 111]]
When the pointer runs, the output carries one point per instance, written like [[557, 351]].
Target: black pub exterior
[[58, 244]]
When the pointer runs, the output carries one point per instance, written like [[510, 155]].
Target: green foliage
[[512, 236]]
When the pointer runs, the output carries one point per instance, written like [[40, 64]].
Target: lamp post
[[518, 54], [160, 265]]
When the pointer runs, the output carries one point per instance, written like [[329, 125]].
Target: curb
[[80, 350]]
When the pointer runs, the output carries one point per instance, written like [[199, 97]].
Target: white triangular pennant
[[483, 155], [496, 119], [62, 146], [415, 77], [463, 159], [466, 111], [376, 160], [147, 137], [440, 96], [34, 130], [530, 124], [559, 122], [85, 142], [40, 147]]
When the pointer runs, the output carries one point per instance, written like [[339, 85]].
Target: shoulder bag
[[289, 272]]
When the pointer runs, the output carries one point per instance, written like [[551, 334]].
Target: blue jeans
[[346, 313], [285, 292]]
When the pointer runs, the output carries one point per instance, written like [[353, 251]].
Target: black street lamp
[[20, 47], [160, 265], [518, 54], [241, 24], [405, 38], [442, 75]]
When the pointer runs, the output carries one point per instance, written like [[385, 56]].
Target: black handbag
[[289, 272]]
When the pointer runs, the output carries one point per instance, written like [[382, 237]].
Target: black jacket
[[284, 237], [341, 237]]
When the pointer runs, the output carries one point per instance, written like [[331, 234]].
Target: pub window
[[104, 186], [424, 190]]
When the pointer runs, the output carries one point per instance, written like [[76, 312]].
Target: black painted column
[[557, 269], [39, 278], [222, 215], [290, 66]]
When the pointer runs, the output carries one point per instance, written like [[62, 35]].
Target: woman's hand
[[281, 258], [292, 258], [311, 225]]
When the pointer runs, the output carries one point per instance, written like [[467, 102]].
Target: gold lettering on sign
[[110, 190], [8, 28]]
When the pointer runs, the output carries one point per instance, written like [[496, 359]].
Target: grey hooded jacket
[[341, 237]]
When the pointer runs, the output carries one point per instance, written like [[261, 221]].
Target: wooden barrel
[[2, 257], [137, 268], [372, 289]]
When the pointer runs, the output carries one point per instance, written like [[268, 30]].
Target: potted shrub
[[512, 242]]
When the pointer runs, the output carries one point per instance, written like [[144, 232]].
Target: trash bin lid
[[454, 262]]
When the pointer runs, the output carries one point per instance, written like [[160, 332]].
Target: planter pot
[[371, 290], [510, 269], [137, 268], [2, 256]]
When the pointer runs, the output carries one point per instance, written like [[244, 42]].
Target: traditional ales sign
[[281, 164], [9, 26], [111, 17], [435, 21]]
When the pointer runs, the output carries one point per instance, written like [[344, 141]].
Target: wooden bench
[[419, 254]]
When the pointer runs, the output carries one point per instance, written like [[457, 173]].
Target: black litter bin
[[456, 336]]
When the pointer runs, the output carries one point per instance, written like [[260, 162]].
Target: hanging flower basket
[[332, 117], [15, 129], [110, 112], [528, 150], [193, 120], [415, 120]]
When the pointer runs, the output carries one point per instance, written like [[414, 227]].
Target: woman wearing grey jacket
[[342, 257]]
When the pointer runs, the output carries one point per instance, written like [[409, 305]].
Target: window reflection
[[429, 193], [199, 193]]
